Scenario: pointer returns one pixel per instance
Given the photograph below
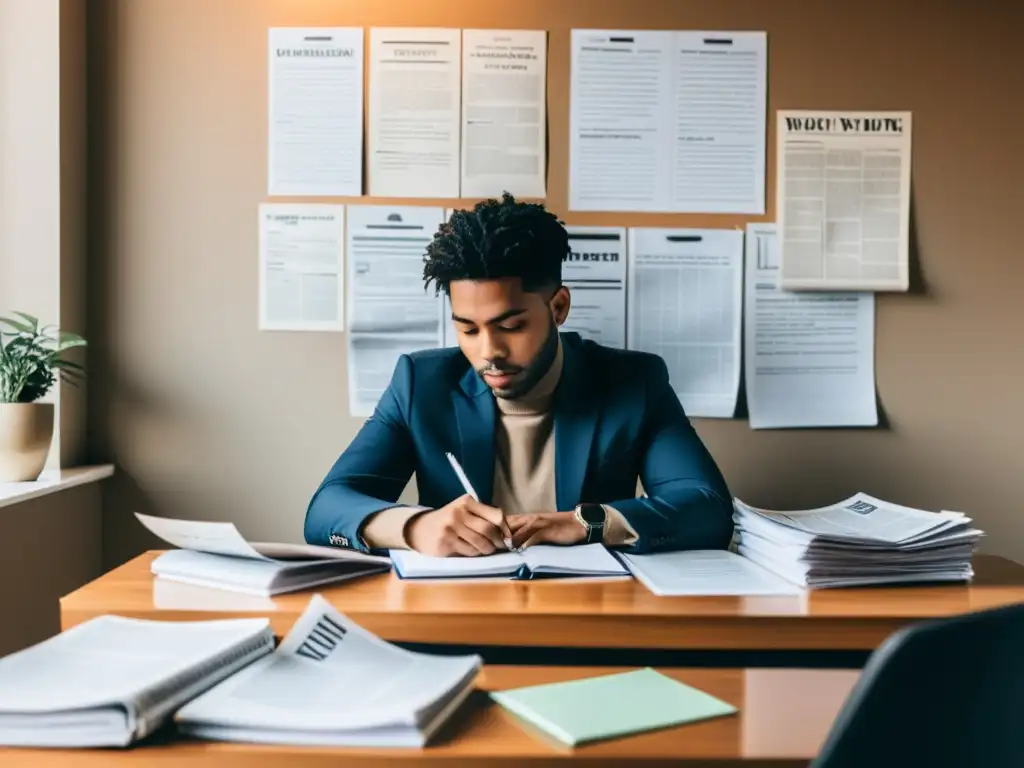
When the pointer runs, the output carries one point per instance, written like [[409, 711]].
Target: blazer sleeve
[[687, 503], [371, 472]]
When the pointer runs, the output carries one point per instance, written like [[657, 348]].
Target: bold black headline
[[841, 125]]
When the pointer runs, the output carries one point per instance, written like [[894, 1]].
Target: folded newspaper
[[858, 542], [331, 682], [111, 681]]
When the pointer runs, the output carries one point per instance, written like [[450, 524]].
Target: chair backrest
[[943, 693]]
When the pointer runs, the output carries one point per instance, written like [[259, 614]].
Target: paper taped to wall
[[390, 312], [843, 200], [685, 303], [315, 101], [302, 282], [810, 356]]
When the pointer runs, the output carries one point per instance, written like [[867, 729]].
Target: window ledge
[[52, 482]]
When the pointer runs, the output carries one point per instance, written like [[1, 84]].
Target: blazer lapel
[[474, 416], [576, 415]]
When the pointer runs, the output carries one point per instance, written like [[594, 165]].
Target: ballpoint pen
[[468, 488]]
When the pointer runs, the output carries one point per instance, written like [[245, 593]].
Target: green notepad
[[604, 707]]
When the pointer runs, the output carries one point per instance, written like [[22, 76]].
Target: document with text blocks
[[667, 121], [415, 96], [685, 304], [843, 200], [315, 104], [810, 355]]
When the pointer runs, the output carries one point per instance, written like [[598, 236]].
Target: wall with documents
[[210, 418]]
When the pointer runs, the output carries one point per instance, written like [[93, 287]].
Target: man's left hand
[[545, 528]]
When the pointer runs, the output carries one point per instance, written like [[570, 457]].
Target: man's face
[[506, 332]]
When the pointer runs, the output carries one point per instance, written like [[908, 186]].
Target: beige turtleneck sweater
[[524, 469]]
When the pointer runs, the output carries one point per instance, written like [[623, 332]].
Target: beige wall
[[209, 418], [49, 546]]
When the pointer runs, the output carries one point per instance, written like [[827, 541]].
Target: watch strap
[[595, 531]]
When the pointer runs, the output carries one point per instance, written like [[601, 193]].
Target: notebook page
[[412, 564], [330, 673], [582, 558], [110, 659]]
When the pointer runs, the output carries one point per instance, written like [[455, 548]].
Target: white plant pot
[[26, 430]]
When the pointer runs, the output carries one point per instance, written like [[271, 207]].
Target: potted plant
[[30, 362]]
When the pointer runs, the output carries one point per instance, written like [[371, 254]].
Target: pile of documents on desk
[[113, 681], [857, 542]]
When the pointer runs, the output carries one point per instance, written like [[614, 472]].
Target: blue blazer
[[616, 418]]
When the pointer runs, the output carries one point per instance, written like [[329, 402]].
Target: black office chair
[[944, 693]]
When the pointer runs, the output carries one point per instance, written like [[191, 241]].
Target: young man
[[551, 431]]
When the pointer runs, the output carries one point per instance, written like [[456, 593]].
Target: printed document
[[331, 682], [685, 302], [504, 76], [302, 281], [843, 200], [705, 572], [414, 106], [595, 273], [668, 121], [390, 312], [810, 356], [315, 100]]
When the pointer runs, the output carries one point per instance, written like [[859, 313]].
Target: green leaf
[[66, 365], [17, 326], [69, 343], [68, 336], [29, 319]]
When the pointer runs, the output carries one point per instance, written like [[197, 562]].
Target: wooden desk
[[581, 615], [784, 715]]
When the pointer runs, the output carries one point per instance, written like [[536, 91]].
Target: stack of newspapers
[[113, 681], [857, 542]]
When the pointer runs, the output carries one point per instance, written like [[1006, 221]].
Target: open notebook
[[536, 561], [331, 682], [217, 555], [113, 680]]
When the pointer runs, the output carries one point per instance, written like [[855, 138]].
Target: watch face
[[592, 513]]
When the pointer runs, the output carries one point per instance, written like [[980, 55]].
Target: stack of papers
[[217, 555], [859, 541], [608, 706], [333, 683], [112, 681]]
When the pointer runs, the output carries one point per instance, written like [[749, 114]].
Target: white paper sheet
[[225, 539], [685, 289], [414, 106], [705, 572], [390, 311], [843, 200], [667, 121], [504, 78], [810, 357], [315, 101], [595, 273], [302, 280]]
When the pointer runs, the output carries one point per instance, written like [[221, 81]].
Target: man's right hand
[[464, 527]]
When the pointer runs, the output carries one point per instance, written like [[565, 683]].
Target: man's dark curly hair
[[498, 239]]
